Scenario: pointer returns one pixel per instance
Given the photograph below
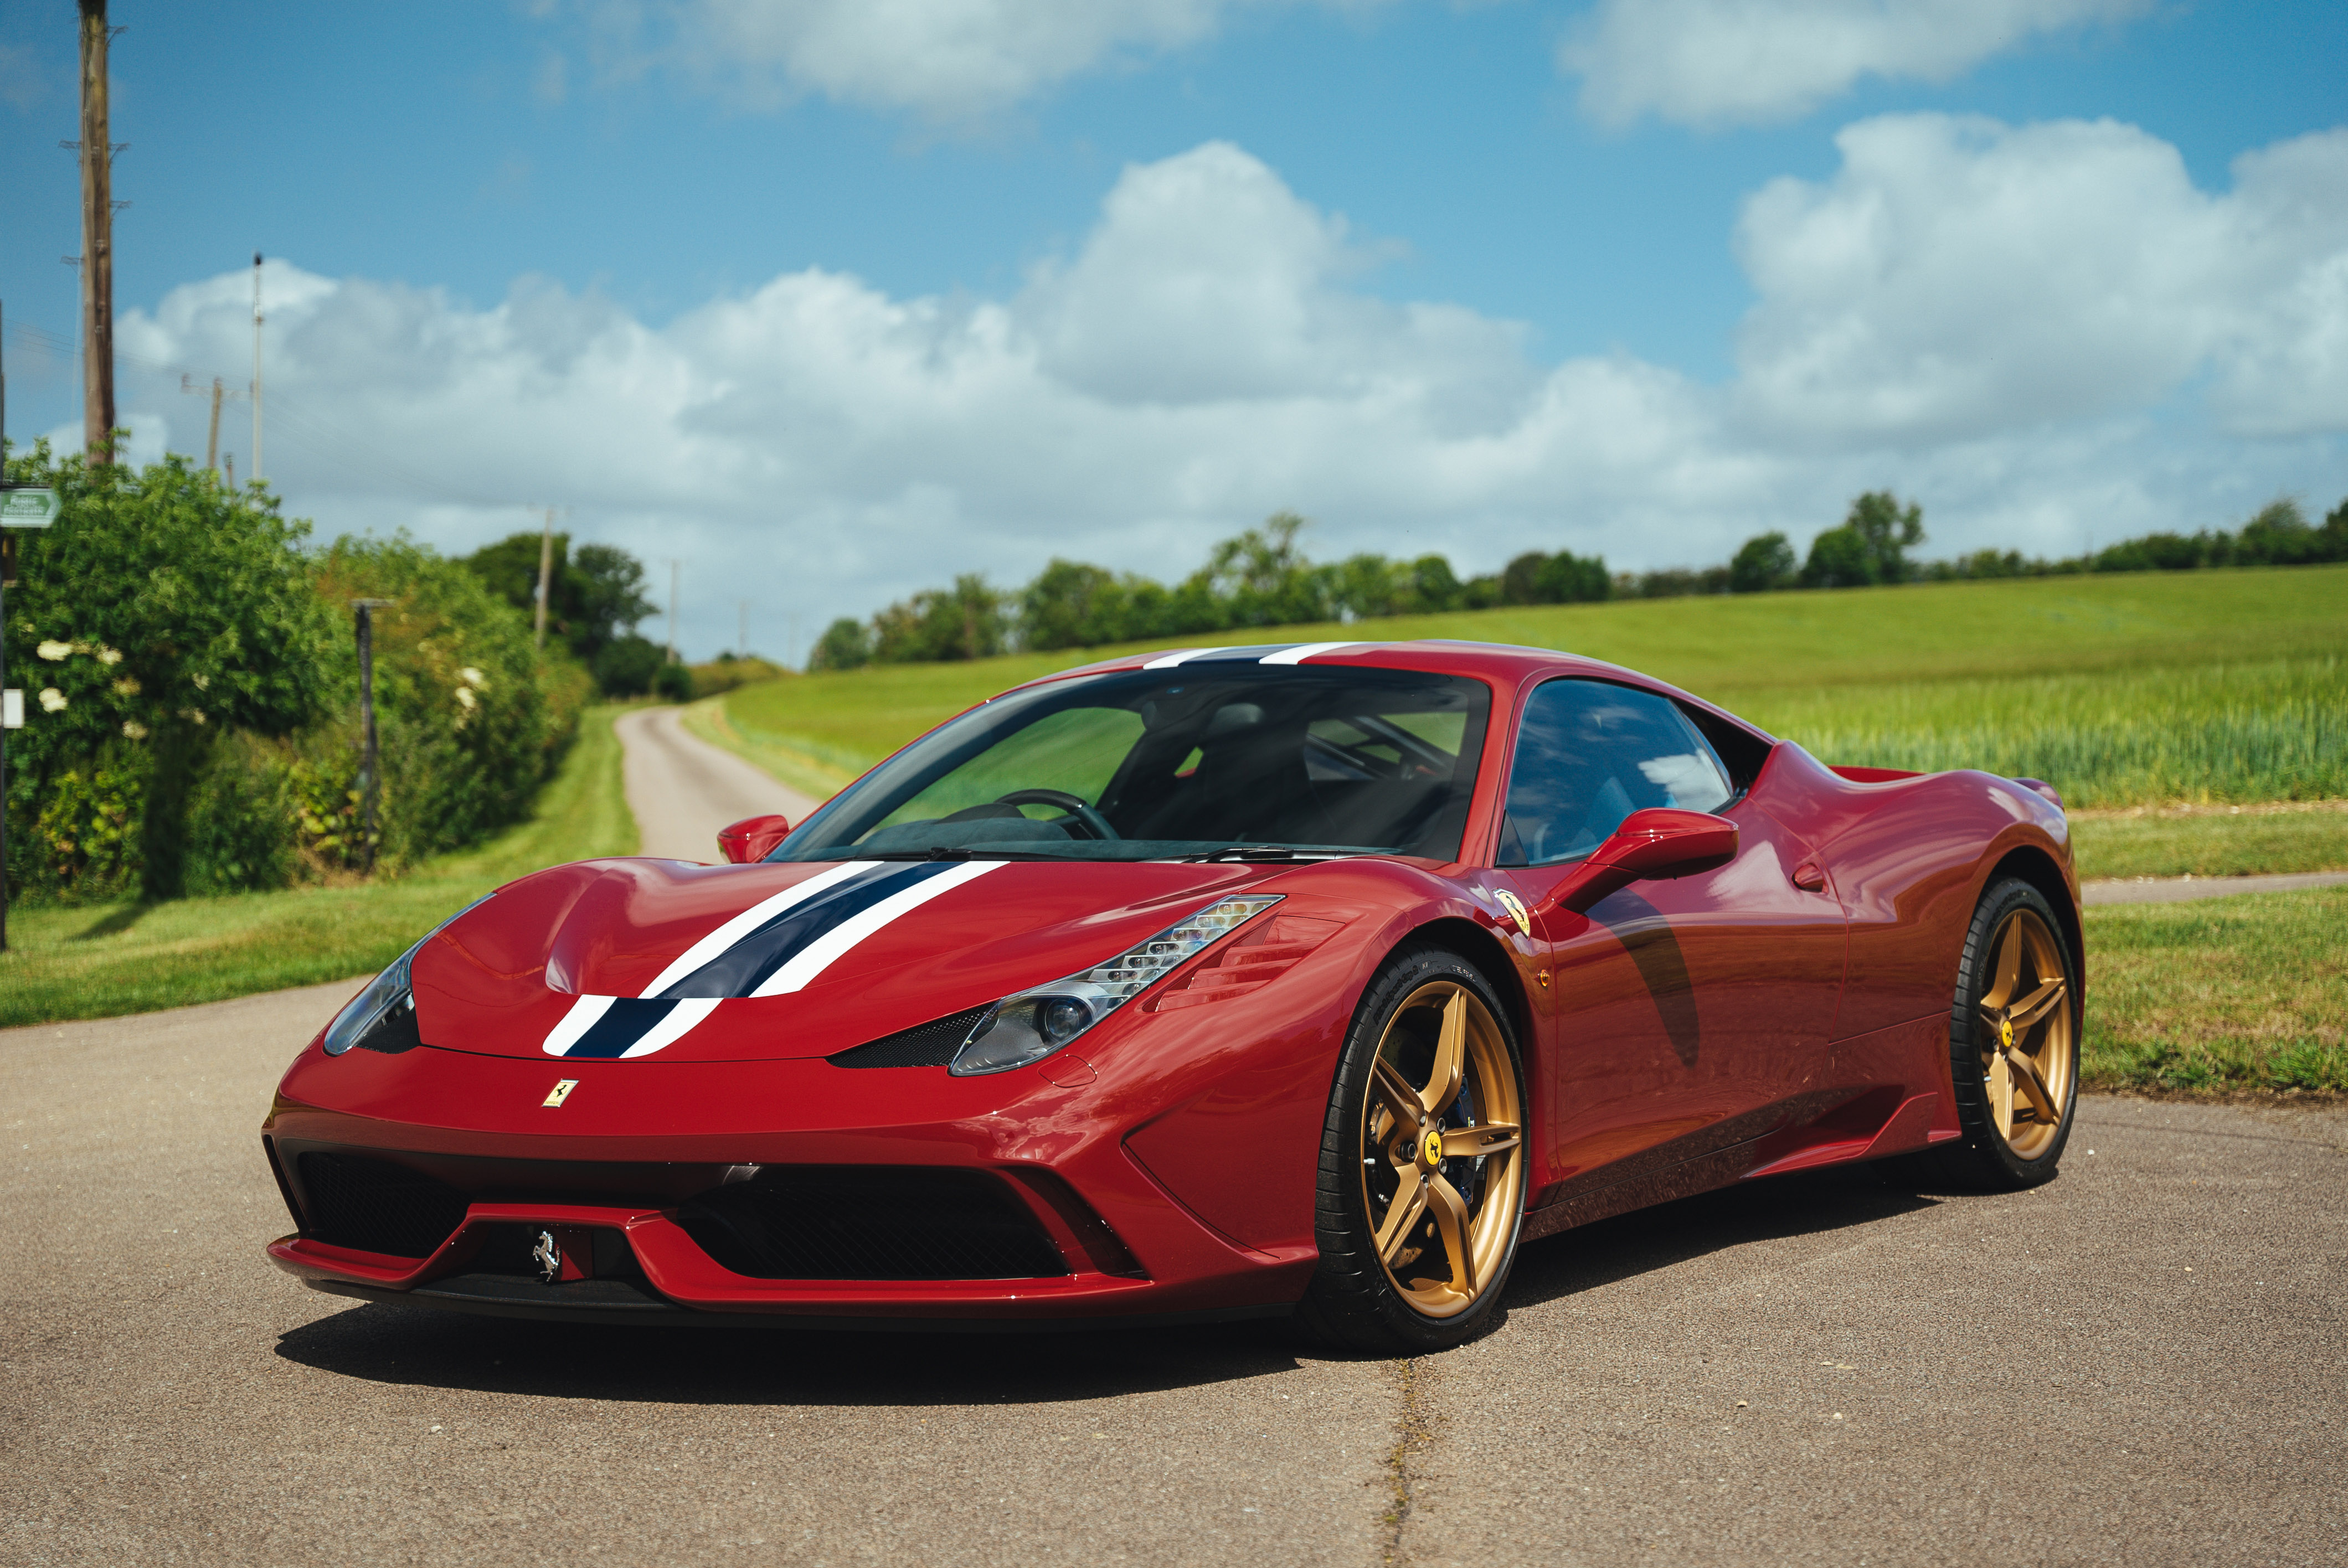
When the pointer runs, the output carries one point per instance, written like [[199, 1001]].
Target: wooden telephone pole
[[97, 241], [545, 572]]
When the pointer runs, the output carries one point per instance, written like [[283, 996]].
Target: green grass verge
[[799, 765], [101, 961], [2121, 690], [2240, 841], [2220, 996]]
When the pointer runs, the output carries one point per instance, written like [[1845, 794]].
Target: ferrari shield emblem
[[1515, 909], [559, 1092]]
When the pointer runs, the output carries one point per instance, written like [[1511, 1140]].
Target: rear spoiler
[[1888, 775]]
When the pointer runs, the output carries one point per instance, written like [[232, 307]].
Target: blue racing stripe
[[628, 1020], [740, 968]]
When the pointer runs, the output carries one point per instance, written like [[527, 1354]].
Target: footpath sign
[[25, 507]]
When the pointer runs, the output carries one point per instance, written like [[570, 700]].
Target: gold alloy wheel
[[2024, 1018], [1443, 1149]]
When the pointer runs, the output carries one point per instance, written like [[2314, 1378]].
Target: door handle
[[1810, 876]]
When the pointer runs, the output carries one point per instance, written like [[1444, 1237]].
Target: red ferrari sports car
[[1306, 979]]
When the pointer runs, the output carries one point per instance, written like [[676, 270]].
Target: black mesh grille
[[930, 1044], [871, 1222], [377, 1206]]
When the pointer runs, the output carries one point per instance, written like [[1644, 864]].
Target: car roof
[[1506, 664]]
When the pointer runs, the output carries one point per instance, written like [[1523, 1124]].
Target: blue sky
[[829, 299]]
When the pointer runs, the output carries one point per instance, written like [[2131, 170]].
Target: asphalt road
[[2141, 1363], [682, 789]]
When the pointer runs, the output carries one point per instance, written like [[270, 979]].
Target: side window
[[1588, 755]]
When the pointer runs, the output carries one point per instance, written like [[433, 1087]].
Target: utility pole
[[742, 632], [256, 361], [97, 241], [672, 610], [211, 437], [545, 572], [370, 784]]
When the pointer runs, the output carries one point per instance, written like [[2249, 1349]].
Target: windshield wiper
[[1252, 852], [952, 852]]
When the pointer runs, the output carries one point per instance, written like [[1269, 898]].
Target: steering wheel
[[1092, 822]]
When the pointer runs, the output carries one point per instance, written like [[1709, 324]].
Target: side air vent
[[930, 1044], [871, 1222], [377, 1206]]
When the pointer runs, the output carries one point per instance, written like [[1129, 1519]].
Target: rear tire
[[1422, 1181], [2013, 1049]]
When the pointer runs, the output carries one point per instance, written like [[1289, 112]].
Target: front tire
[[1422, 1184]]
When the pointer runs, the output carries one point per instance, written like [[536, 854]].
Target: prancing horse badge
[[559, 1092], [1516, 907]]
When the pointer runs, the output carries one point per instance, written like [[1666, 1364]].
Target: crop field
[[2227, 687], [97, 961]]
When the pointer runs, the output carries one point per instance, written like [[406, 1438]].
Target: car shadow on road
[[420, 1346], [1646, 1240]]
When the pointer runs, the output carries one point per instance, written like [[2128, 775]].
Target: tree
[[592, 599], [1868, 547], [627, 665], [844, 645], [1762, 562], [1071, 605], [1568, 579], [1434, 585]]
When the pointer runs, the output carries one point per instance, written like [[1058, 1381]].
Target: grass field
[[2213, 841], [2224, 686], [2226, 995], [104, 960]]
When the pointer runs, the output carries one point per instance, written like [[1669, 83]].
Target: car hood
[[637, 957]]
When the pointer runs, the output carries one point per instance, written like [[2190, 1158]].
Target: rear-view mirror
[[753, 837], [1659, 843]]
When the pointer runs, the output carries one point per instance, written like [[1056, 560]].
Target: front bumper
[[636, 1146]]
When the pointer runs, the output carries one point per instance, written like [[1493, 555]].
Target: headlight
[[1032, 1025], [388, 1002]]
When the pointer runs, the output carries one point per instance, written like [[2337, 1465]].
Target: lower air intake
[[871, 1222], [377, 1206]]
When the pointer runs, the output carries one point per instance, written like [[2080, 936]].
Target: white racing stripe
[[576, 1023], [1300, 653], [670, 1029], [820, 954], [1169, 661], [747, 921]]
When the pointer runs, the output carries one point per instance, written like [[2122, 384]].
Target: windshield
[[1195, 761]]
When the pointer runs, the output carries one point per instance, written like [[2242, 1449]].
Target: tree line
[[1263, 578]]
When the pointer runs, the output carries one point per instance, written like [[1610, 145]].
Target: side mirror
[[755, 838], [1659, 843]]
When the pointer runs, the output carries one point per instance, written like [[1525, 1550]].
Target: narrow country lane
[[682, 789]]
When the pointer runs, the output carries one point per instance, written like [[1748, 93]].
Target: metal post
[[545, 571], [370, 779], [256, 367]]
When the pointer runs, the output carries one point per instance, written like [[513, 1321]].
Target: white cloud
[[1207, 357], [946, 59], [1959, 277], [1717, 62]]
